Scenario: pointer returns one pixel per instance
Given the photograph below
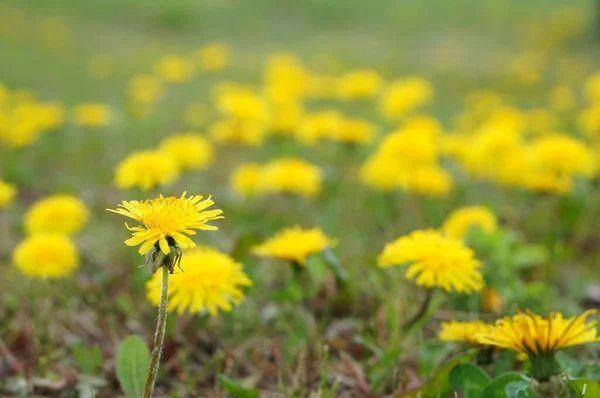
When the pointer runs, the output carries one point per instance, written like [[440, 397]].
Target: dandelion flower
[[285, 117], [60, 214], [250, 133], [462, 331], [355, 131], [405, 95], [190, 150], [246, 180], [165, 219], [144, 89], [435, 260], [212, 281], [46, 256], [7, 193], [174, 69], [539, 338], [460, 221], [295, 244], [562, 154], [213, 57], [359, 84], [293, 176], [146, 169], [318, 125], [91, 115], [429, 181]]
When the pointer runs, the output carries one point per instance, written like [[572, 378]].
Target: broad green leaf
[[132, 365], [468, 378], [585, 388], [237, 389], [439, 382], [497, 387], [518, 389]]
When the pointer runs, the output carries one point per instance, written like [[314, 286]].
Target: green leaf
[[132, 365], [528, 256], [518, 389], [237, 389], [585, 388], [88, 360], [317, 268], [497, 387], [439, 382], [468, 378], [334, 263]]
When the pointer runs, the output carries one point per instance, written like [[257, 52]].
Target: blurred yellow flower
[[318, 125], [428, 181], [410, 148], [91, 115], [405, 95], [562, 98], [174, 69], [101, 67], [165, 221], [237, 131], [7, 193], [213, 57], [211, 281], [435, 260], [60, 214], [592, 88], [190, 150], [293, 176], [286, 117], [381, 173], [246, 179], [563, 155], [285, 78], [146, 169], [46, 256], [462, 331], [492, 300], [355, 131], [541, 121], [588, 120], [243, 105], [295, 244], [461, 220], [424, 125], [359, 84], [144, 89]]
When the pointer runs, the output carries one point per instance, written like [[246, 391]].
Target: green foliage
[[585, 388], [468, 378], [133, 358], [238, 390], [89, 360], [497, 388]]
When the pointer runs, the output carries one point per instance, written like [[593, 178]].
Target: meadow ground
[[389, 115]]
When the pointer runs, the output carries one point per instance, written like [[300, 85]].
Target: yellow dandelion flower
[[246, 179], [424, 125], [46, 256], [190, 150], [435, 260], [211, 281], [91, 115], [462, 331], [60, 214], [411, 148], [318, 125], [293, 176], [539, 338], [240, 132], [286, 78], [429, 181], [355, 131], [7, 193], [164, 219], [174, 69], [405, 95], [146, 169], [359, 84], [563, 155], [381, 173], [461, 220], [243, 105], [213, 57], [592, 88], [144, 89], [285, 117], [295, 244], [588, 120]]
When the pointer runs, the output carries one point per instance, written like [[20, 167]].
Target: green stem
[[421, 312], [159, 336]]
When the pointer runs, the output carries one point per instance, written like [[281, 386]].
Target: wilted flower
[[146, 169], [167, 221], [60, 214], [461, 220], [295, 244], [435, 260], [190, 150], [46, 256]]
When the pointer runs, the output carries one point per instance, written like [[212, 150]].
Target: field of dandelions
[[321, 198]]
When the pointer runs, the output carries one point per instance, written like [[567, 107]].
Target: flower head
[[47, 256], [213, 57], [435, 260], [164, 218], [294, 176], [211, 281], [61, 214], [246, 179], [460, 221], [174, 69], [92, 115], [295, 244], [7, 193], [462, 331], [405, 95], [146, 169], [190, 150], [358, 84]]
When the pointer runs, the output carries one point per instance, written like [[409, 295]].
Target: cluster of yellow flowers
[[293, 176], [48, 251]]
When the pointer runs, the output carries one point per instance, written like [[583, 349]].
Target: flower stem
[[421, 312], [159, 336]]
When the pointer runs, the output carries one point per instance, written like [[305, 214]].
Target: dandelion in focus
[[59, 214], [435, 260], [295, 244], [146, 169], [166, 221], [212, 281], [190, 150], [46, 256], [462, 220], [464, 332]]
